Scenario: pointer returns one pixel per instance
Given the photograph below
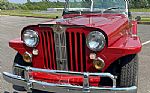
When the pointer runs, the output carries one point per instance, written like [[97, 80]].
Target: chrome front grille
[[60, 47]]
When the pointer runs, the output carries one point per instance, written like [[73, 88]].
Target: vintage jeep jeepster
[[93, 49]]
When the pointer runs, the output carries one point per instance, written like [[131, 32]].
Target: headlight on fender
[[30, 38], [95, 41]]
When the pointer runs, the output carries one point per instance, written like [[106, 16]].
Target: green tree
[[139, 3], [3, 4]]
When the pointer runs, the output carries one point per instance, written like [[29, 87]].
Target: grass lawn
[[140, 10], [28, 13], [145, 19]]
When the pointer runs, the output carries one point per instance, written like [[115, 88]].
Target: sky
[[24, 1]]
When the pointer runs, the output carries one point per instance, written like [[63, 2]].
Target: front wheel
[[126, 70], [129, 71]]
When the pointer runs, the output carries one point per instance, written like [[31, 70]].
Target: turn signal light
[[27, 57], [99, 63]]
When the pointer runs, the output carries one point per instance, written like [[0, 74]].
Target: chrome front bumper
[[30, 84]]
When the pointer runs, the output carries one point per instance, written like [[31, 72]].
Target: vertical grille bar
[[70, 45], [76, 51], [53, 50], [49, 51], [81, 53], [45, 50], [42, 43], [84, 51]]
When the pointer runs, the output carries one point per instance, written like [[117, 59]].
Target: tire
[[126, 70], [129, 71], [19, 60]]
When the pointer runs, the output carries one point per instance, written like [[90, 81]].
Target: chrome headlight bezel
[[30, 35], [97, 40]]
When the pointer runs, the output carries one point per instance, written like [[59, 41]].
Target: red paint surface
[[134, 27], [64, 79], [114, 26]]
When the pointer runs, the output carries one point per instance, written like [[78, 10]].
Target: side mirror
[[138, 18]]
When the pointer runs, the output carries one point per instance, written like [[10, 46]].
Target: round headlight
[[30, 38], [95, 41]]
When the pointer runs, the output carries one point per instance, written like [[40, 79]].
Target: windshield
[[109, 6]]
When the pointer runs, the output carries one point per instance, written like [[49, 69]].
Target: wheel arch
[[118, 61]]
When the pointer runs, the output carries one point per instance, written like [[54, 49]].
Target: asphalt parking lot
[[10, 27]]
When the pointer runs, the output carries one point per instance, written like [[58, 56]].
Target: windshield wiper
[[110, 8], [82, 12]]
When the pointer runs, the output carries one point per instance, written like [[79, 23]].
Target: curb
[[37, 17]]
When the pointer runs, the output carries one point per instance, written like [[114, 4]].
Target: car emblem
[[58, 28]]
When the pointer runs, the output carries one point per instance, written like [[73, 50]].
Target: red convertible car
[[93, 48]]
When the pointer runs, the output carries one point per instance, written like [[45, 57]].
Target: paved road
[[10, 27], [142, 14]]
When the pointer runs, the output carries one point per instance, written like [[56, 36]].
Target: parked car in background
[[93, 48]]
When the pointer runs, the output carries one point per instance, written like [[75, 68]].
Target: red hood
[[105, 22], [109, 23]]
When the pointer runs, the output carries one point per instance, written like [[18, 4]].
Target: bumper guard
[[30, 84]]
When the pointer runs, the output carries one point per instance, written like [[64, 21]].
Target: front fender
[[18, 45], [123, 47]]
